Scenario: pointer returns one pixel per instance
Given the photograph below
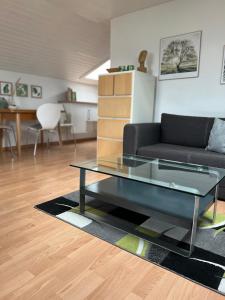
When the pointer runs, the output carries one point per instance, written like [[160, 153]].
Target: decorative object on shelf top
[[71, 96], [126, 68], [121, 69], [141, 59], [112, 70]]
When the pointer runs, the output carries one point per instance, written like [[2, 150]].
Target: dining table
[[18, 116]]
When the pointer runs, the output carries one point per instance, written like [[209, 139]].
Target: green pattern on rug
[[91, 210], [112, 224], [147, 231], [133, 244], [206, 221]]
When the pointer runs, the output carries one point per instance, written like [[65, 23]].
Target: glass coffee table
[[174, 192]]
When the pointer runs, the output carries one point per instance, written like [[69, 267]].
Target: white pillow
[[216, 141]]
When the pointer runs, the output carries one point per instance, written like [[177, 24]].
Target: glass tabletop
[[194, 179]]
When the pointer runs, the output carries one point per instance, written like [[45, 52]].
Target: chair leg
[[47, 139], [9, 142], [14, 135], [68, 133], [74, 137], [59, 136], [27, 136], [36, 142]]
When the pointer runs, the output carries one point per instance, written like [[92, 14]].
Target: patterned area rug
[[123, 228]]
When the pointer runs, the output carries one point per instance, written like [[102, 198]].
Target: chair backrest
[[65, 118], [49, 115]]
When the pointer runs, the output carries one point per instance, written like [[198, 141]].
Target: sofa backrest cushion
[[185, 130]]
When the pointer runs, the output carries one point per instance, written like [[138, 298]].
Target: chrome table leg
[[215, 205], [82, 190], [194, 224]]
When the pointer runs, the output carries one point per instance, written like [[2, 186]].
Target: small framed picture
[[21, 90], [223, 68], [180, 56], [6, 88], [36, 91]]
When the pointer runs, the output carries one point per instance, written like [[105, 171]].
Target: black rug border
[[95, 235]]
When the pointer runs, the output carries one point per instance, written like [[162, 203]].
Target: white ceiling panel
[[59, 38]]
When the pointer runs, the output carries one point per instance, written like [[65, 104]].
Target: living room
[[112, 187]]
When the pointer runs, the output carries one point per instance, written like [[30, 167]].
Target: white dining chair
[[6, 131], [48, 115]]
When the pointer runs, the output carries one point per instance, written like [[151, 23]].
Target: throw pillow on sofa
[[216, 141]]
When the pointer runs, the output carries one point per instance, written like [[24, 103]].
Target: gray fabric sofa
[[179, 138]]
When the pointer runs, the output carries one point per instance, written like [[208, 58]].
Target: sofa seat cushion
[[208, 158], [185, 130], [212, 159], [165, 151], [184, 154]]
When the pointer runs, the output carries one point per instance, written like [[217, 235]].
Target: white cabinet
[[124, 97]]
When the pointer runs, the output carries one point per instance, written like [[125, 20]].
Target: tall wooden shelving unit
[[124, 97]]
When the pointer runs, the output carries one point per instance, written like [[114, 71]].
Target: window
[[99, 71]]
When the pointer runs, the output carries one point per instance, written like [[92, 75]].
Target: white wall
[[144, 29], [54, 90]]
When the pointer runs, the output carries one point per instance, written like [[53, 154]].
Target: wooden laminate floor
[[43, 258]]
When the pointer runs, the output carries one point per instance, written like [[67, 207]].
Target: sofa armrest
[[138, 135]]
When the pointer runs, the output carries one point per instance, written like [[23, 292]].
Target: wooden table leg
[[18, 134]]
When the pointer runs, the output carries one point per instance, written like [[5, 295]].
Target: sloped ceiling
[[59, 38]]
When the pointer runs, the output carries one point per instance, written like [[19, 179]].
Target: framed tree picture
[[21, 90], [179, 56], [36, 91], [223, 68], [5, 88]]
